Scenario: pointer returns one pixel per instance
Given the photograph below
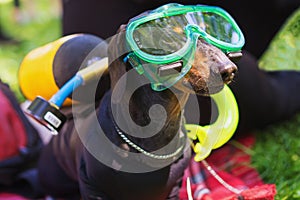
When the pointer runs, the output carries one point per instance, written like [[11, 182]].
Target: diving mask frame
[[165, 70]]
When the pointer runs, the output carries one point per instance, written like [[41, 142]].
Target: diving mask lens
[[161, 36], [167, 35], [215, 27]]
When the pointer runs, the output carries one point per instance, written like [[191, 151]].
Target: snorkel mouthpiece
[[217, 134]]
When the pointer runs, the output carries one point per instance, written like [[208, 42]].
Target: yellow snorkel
[[217, 134]]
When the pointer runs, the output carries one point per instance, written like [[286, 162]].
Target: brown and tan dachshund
[[70, 170]]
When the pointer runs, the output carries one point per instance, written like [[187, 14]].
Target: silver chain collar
[[141, 150]]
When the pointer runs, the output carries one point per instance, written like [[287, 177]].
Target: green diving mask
[[162, 43]]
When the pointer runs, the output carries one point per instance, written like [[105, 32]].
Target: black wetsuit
[[75, 168], [263, 97]]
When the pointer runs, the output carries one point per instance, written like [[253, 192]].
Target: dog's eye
[[234, 56]]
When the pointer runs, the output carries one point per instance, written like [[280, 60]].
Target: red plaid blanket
[[232, 164]]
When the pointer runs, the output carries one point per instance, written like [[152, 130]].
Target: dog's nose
[[227, 72]]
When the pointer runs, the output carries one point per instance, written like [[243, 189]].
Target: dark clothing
[[20, 148], [259, 20], [263, 98], [67, 156]]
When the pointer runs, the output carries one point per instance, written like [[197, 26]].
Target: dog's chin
[[207, 90]]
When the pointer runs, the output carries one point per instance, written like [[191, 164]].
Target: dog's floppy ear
[[116, 52]]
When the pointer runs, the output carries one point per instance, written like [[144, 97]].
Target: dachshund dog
[[70, 169]]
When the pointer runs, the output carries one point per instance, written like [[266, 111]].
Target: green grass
[[277, 157], [277, 150], [33, 31]]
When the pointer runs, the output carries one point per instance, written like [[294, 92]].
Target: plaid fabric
[[10, 196], [232, 164]]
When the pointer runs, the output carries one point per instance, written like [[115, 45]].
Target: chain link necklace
[[141, 150]]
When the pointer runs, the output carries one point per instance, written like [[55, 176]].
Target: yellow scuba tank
[[46, 69]]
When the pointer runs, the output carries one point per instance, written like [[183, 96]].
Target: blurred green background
[[36, 23], [276, 154]]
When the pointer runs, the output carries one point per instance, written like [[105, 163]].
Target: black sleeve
[[264, 97]]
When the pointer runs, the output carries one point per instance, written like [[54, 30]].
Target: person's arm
[[264, 97]]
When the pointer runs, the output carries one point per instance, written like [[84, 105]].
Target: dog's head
[[211, 68]]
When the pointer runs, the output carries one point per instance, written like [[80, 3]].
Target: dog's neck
[[168, 116]]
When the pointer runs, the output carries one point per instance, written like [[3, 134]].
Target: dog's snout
[[227, 72]]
